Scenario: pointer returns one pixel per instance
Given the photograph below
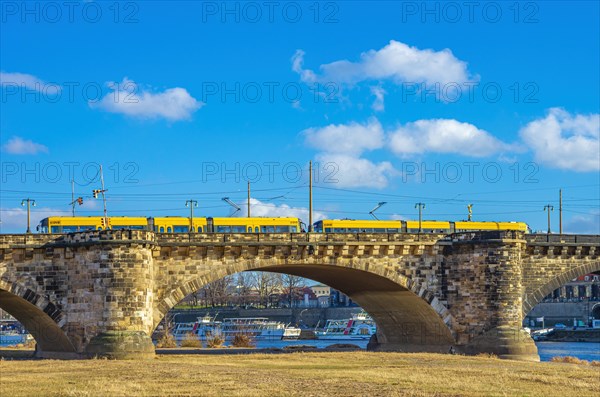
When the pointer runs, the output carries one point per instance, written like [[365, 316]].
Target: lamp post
[[191, 204], [549, 208], [30, 203], [421, 207]]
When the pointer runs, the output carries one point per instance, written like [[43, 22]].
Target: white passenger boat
[[254, 327], [258, 328], [203, 328], [360, 326]]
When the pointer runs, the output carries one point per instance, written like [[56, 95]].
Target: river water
[[583, 350]]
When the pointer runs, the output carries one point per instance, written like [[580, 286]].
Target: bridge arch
[[538, 293], [408, 316], [40, 317]]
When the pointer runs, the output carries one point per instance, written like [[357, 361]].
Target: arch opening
[[405, 321], [569, 299], [48, 335]]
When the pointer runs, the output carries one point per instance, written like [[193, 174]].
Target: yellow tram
[[175, 224]]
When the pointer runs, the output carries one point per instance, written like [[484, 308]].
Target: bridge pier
[[121, 345], [108, 310], [499, 262]]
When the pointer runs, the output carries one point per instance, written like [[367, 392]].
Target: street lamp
[[548, 208], [30, 203], [421, 207], [191, 204]]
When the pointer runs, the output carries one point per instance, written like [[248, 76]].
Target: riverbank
[[578, 335], [299, 374]]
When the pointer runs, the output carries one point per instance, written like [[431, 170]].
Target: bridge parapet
[[561, 239], [22, 240], [296, 238], [485, 236]]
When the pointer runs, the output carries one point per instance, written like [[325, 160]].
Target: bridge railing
[[485, 235], [172, 238], [563, 238]]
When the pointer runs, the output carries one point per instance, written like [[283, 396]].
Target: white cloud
[[341, 146], [130, 99], [396, 61], [18, 145], [445, 136], [14, 220], [353, 171], [584, 224], [259, 208], [353, 138], [378, 104], [28, 81], [565, 141]]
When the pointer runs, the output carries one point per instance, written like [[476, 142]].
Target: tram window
[[161, 229], [199, 229], [392, 230], [294, 229], [268, 229], [169, 229], [223, 229], [256, 229], [353, 230], [379, 230], [55, 229], [327, 230], [180, 229], [339, 230], [70, 229], [249, 229], [238, 229], [282, 229]]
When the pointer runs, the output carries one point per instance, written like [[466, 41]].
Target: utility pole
[[548, 208], [248, 199], [191, 204], [470, 209], [421, 207], [78, 200], [73, 197], [102, 191], [310, 197], [560, 211], [30, 203]]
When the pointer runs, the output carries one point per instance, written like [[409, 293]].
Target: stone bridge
[[102, 293]]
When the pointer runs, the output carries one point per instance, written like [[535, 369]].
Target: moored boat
[[360, 326], [258, 328], [254, 327]]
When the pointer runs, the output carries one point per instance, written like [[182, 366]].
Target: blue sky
[[495, 105]]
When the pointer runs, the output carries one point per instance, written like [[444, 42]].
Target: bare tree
[[243, 285], [217, 292], [266, 284], [291, 285]]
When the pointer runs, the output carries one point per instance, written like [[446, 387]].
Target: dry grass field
[[299, 374]]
